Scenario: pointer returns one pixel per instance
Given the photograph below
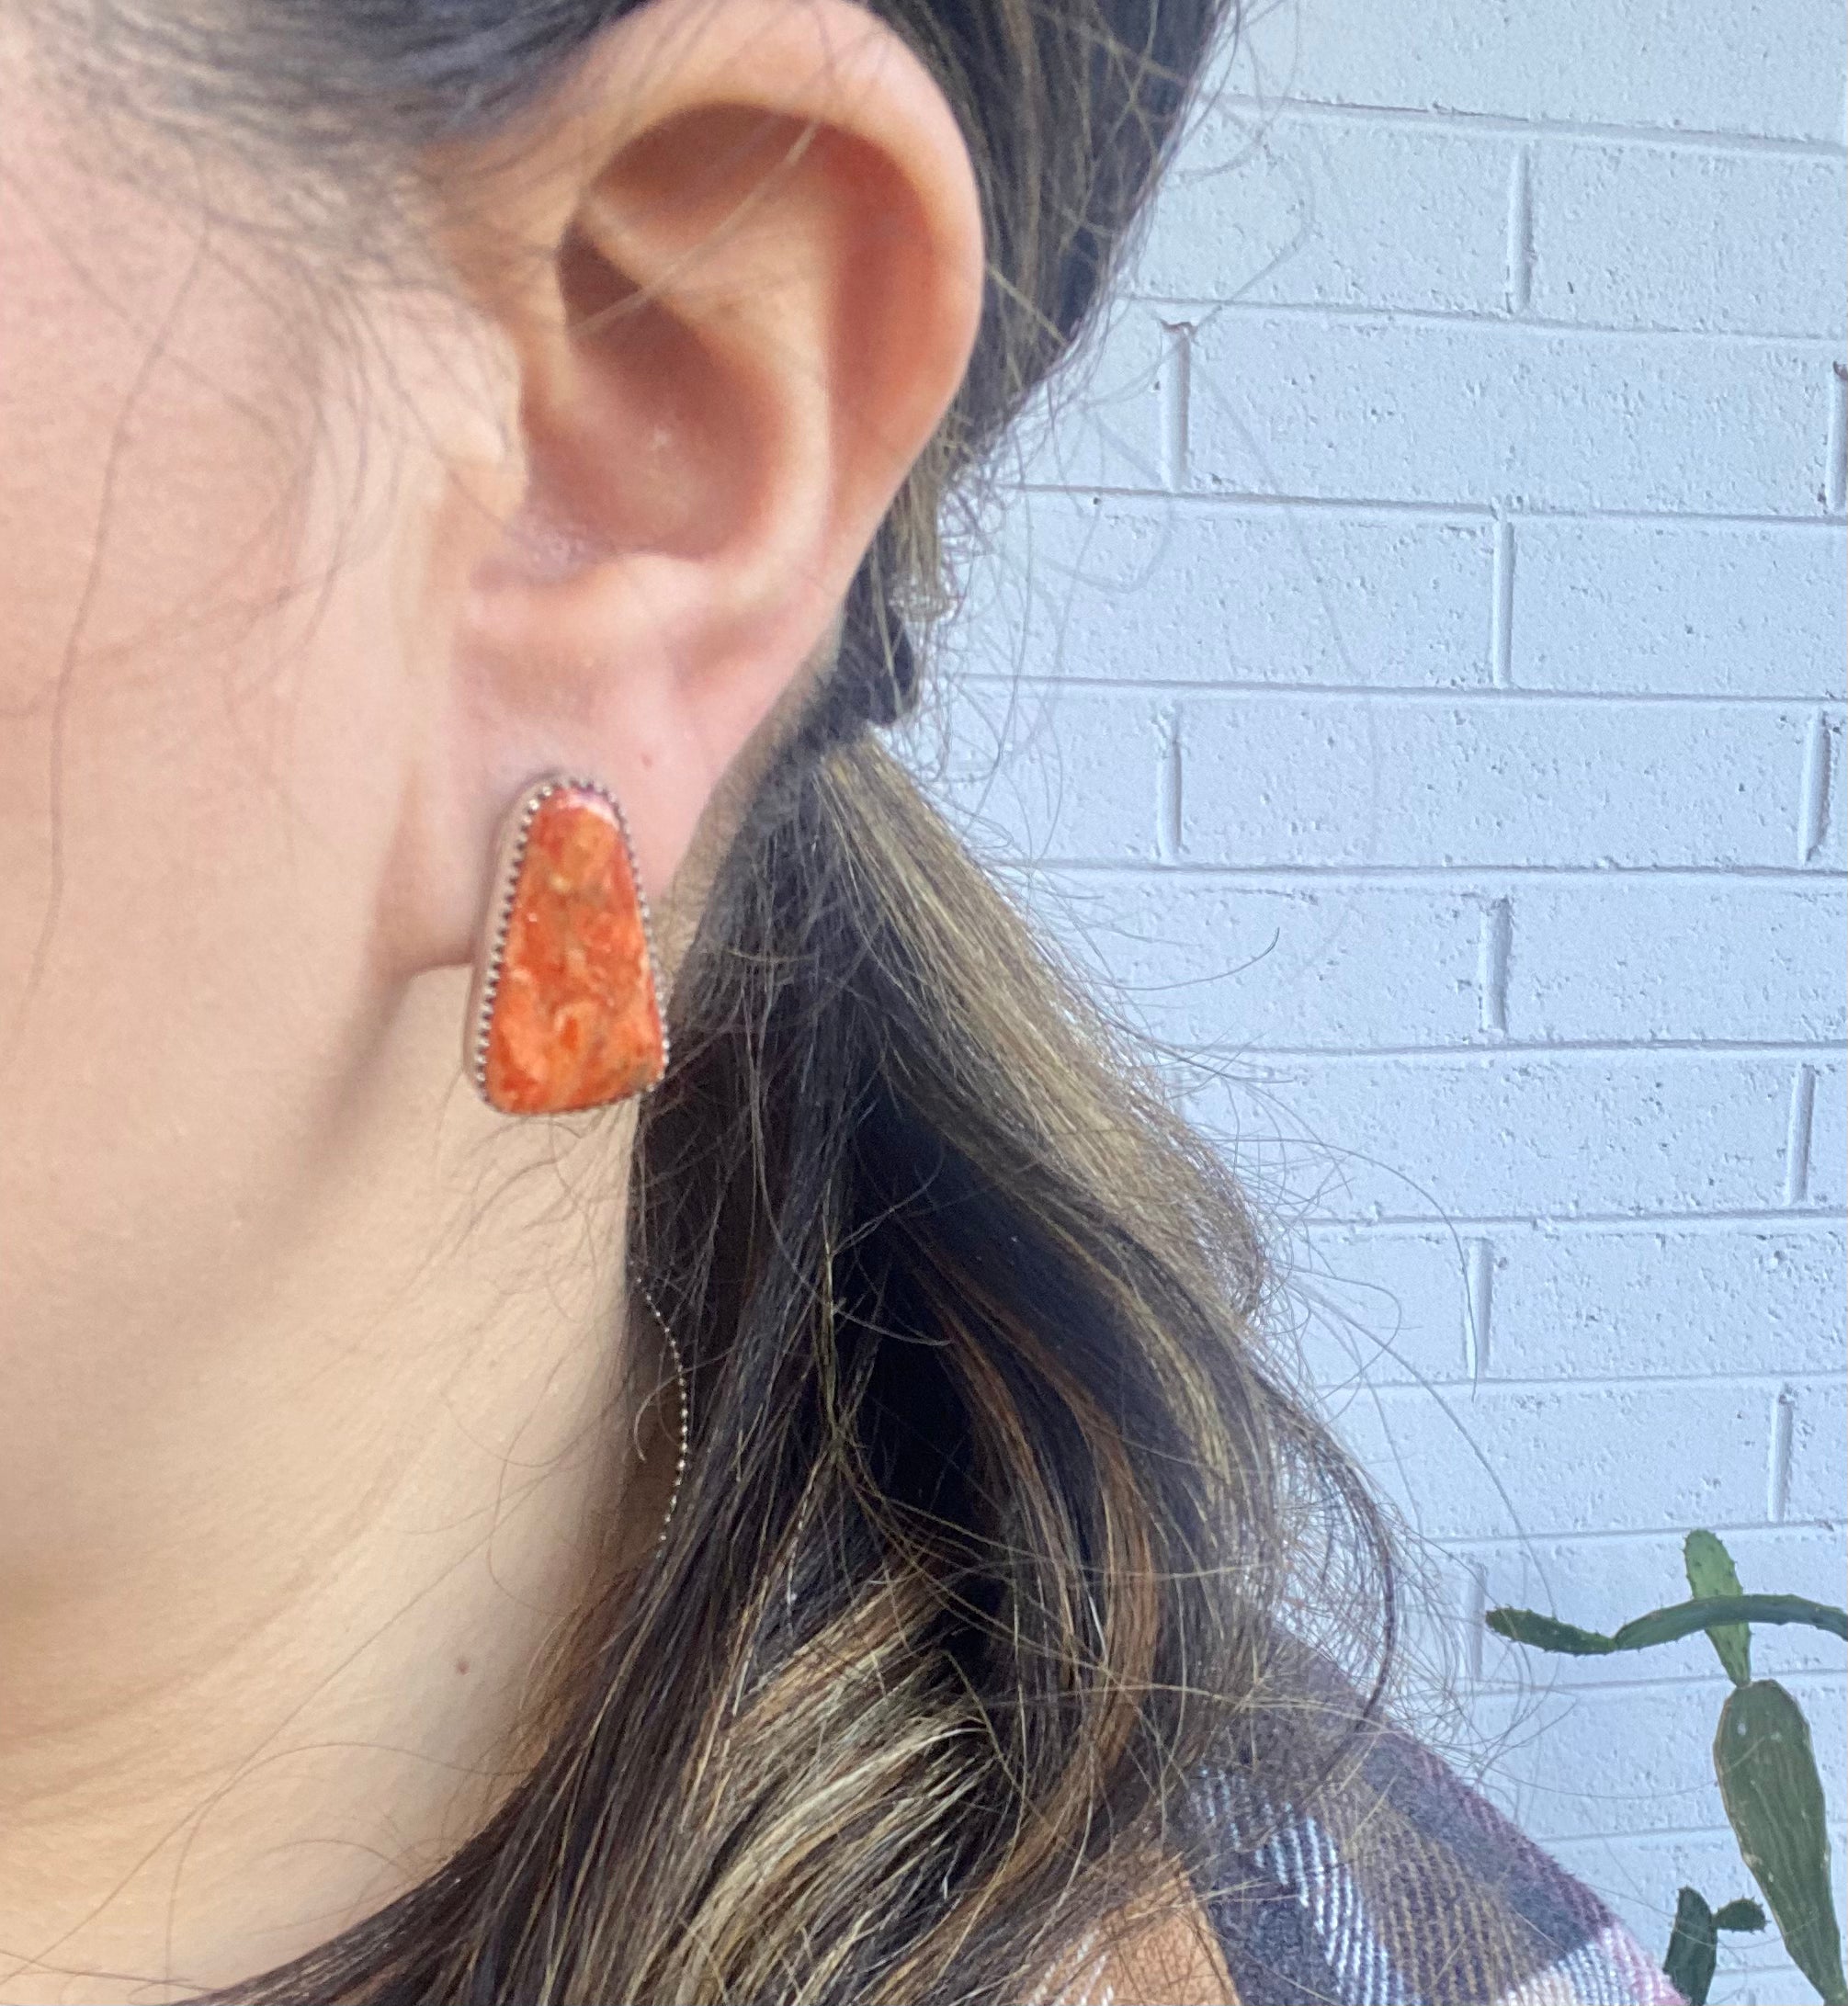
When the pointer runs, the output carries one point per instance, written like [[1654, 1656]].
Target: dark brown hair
[[998, 1522]]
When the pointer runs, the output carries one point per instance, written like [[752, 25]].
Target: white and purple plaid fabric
[[1401, 1886]]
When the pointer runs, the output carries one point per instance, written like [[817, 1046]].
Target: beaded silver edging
[[510, 855], [680, 1394]]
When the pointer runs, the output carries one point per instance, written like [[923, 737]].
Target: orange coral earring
[[566, 1011]]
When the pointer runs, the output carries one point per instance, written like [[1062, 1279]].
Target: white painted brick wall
[[1677, 608], [1409, 671], [1461, 411], [1633, 237]]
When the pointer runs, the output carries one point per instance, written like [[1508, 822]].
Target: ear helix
[[566, 1011]]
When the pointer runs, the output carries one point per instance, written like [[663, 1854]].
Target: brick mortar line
[[1464, 1548], [1145, 502], [1819, 1677], [1834, 495], [1454, 874], [1781, 1450], [1650, 137], [1801, 1225], [1750, 1382], [1668, 1834], [1210, 306], [1519, 249], [1500, 695], [1502, 604], [1471, 1222], [1453, 510], [1490, 1043]]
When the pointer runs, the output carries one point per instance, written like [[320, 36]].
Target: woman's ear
[[733, 265]]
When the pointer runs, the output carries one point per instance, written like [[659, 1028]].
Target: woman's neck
[[269, 1617]]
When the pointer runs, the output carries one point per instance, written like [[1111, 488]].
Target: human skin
[[316, 1410]]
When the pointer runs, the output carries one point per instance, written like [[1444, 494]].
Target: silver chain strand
[[680, 1395]]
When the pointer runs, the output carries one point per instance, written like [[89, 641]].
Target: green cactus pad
[[1766, 1767]]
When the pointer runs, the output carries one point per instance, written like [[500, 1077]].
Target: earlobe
[[748, 281]]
